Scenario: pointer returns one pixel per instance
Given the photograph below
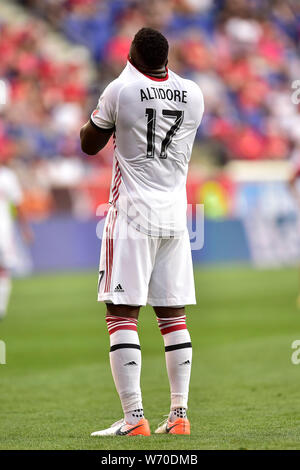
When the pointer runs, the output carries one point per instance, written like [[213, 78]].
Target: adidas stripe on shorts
[[136, 269]]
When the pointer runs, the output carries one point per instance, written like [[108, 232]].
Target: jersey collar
[[149, 76]]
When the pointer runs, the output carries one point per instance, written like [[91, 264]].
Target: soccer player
[[10, 195], [293, 183], [153, 115]]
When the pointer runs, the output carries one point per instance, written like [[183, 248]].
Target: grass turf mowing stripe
[[56, 387]]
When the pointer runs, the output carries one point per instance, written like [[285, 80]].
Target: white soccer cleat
[[121, 428], [179, 426], [111, 431]]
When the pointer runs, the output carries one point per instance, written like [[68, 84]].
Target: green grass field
[[57, 387]]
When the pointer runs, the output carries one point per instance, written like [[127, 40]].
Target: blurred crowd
[[244, 54], [45, 98]]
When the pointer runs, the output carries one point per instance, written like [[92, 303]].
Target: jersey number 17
[[151, 121]]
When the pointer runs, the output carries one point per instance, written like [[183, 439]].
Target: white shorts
[[8, 257], [136, 269]]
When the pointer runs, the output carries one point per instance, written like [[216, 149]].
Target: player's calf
[[125, 361]]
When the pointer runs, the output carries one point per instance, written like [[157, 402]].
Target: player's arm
[[95, 134], [94, 138], [292, 180], [292, 183]]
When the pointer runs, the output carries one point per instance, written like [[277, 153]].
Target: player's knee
[[119, 310], [169, 312]]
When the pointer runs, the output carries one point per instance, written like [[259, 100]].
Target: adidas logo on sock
[[119, 288], [185, 363]]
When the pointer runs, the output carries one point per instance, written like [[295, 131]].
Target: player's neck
[[156, 73]]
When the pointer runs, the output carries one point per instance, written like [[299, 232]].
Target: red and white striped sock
[[125, 362], [178, 353]]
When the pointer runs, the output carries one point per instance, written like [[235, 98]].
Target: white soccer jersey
[[10, 193], [155, 122]]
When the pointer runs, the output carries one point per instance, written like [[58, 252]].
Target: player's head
[[150, 49]]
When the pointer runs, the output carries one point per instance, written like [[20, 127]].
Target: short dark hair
[[151, 46]]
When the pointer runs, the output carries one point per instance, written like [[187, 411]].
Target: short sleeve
[[104, 116], [200, 105]]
